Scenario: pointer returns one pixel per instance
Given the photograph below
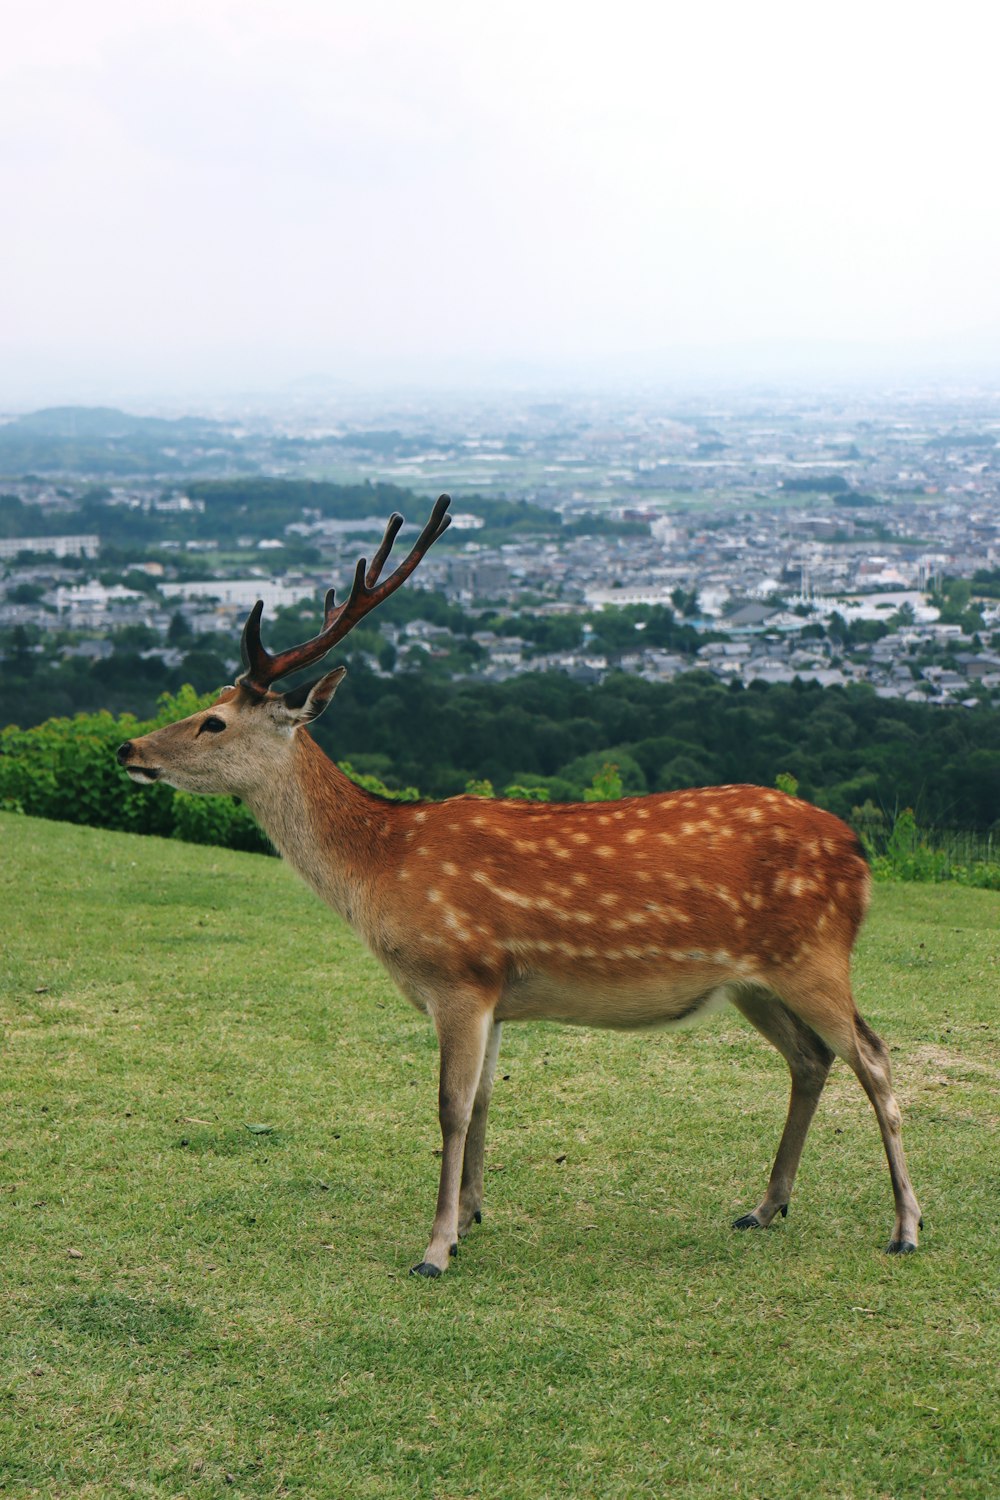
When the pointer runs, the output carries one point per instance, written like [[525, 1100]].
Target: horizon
[[764, 371]]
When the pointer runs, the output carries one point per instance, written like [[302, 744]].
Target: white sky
[[209, 192]]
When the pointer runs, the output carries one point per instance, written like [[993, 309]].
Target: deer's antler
[[262, 668]]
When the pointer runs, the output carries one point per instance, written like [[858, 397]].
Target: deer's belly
[[596, 1002]]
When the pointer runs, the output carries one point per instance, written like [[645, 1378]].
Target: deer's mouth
[[144, 773]]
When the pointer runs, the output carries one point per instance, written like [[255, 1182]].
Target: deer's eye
[[214, 725]]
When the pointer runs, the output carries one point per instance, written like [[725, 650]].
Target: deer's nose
[[124, 751]]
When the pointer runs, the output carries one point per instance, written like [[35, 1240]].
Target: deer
[[649, 911]]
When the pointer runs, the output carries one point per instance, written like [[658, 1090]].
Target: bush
[[375, 784], [222, 821], [66, 769], [606, 785], [907, 852]]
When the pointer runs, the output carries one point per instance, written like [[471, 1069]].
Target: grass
[[193, 1308]]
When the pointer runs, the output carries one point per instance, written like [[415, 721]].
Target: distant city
[[837, 539]]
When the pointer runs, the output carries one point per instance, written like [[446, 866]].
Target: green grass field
[[196, 1308]]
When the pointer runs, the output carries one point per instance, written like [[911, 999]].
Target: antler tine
[[250, 647], [385, 547], [366, 592], [338, 620]]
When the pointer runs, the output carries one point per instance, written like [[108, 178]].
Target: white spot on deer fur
[[448, 868], [580, 838], [516, 898], [419, 817], [434, 896], [608, 898], [634, 835], [456, 921], [605, 851], [642, 812]]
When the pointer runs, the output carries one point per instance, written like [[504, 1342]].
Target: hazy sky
[[208, 193]]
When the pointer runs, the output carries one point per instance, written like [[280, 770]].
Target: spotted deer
[[644, 912]]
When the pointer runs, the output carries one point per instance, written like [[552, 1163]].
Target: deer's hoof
[[425, 1268], [900, 1247], [748, 1221]]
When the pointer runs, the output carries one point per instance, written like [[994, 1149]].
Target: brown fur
[[622, 914]]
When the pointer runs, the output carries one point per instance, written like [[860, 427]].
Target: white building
[[55, 546], [241, 592]]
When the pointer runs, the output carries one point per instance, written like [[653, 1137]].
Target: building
[[54, 546], [241, 592]]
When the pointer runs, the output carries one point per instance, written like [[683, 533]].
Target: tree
[[179, 632]]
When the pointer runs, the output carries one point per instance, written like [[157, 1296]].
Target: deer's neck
[[326, 827]]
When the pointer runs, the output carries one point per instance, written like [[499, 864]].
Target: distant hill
[[75, 422], [104, 440]]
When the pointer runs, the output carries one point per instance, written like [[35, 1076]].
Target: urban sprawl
[[840, 540]]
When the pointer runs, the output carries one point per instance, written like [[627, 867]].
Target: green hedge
[[66, 769]]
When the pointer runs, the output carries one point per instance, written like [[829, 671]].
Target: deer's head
[[238, 743]]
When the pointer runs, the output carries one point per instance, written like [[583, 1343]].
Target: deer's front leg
[[462, 1035], [470, 1200]]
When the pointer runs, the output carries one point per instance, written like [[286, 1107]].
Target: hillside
[[199, 1305]]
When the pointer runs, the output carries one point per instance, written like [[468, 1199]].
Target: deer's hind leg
[[809, 1060], [824, 1002], [869, 1057]]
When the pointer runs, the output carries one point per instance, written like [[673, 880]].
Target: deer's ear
[[305, 703]]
